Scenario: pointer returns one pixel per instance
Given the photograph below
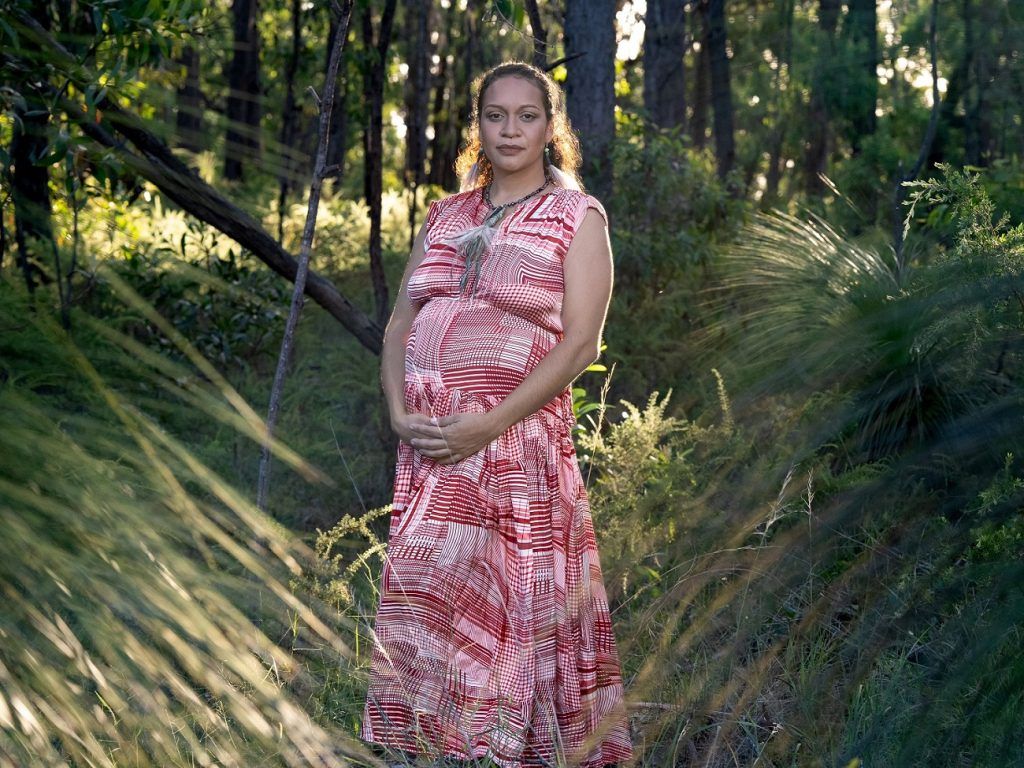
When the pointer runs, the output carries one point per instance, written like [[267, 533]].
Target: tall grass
[[148, 618]]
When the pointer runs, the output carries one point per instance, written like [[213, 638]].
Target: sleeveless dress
[[493, 635]]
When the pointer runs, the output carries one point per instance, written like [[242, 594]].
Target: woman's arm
[[588, 286], [392, 356]]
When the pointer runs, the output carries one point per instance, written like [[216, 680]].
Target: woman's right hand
[[404, 424]]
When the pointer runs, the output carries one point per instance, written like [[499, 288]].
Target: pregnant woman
[[493, 635]]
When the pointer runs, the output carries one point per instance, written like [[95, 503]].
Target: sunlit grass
[[148, 618]]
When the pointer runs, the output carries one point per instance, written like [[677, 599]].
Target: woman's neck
[[512, 186]]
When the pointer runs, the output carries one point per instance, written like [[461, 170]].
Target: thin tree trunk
[[861, 32], [701, 84], [30, 183], [243, 105], [451, 103], [417, 103], [190, 104], [713, 15], [337, 145], [319, 167], [976, 127], [817, 127], [417, 95], [539, 34], [590, 85], [373, 144], [665, 44], [438, 155], [774, 175], [156, 163], [288, 127], [33, 226]]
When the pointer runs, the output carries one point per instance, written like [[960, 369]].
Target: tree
[[784, 53], [860, 30], [539, 34], [244, 97], [817, 125], [590, 85], [338, 144], [189, 118], [713, 18], [30, 180], [289, 118], [701, 100], [417, 91], [665, 45], [376, 53]]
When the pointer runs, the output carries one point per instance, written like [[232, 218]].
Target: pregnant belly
[[473, 347]]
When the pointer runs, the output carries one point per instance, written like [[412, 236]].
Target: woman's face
[[513, 127]]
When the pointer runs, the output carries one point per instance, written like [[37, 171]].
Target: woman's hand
[[406, 425], [452, 438]]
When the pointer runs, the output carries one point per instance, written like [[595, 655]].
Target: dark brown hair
[[564, 146]]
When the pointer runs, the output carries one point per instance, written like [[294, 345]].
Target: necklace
[[524, 198], [472, 243]]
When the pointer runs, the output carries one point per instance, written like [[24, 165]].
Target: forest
[[803, 442]]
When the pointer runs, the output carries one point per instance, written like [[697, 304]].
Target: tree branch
[[324, 132]]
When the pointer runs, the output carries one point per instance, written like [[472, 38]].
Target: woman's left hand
[[453, 438]]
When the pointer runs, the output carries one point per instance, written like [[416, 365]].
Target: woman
[[493, 633]]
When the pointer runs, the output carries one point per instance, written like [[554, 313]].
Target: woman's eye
[[529, 116], [494, 116]]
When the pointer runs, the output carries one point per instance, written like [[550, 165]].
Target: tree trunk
[[33, 226], [243, 105], [590, 86], [977, 131], [665, 44], [439, 157], [288, 121], [713, 15], [337, 146], [30, 183], [701, 85], [417, 92], [817, 125], [861, 32], [539, 34], [373, 145], [774, 174], [451, 88], [190, 104], [948, 117]]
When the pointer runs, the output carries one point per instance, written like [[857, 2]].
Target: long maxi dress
[[493, 635]]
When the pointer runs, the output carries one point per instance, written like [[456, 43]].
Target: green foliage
[[668, 214], [839, 579]]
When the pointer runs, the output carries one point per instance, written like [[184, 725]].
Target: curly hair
[[564, 147]]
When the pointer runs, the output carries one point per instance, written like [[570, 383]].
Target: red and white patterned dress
[[493, 636]]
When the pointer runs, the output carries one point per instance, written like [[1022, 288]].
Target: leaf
[[11, 34]]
